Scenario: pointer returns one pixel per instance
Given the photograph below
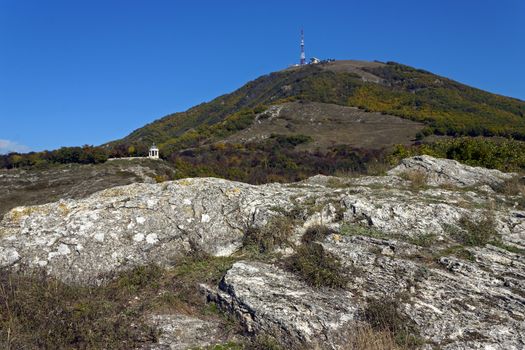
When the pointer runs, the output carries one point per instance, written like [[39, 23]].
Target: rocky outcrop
[[134, 225], [456, 304], [81, 240], [450, 172], [272, 301], [458, 297], [181, 332]]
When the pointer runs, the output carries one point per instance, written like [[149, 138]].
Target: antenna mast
[[303, 56]]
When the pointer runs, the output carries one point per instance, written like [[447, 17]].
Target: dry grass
[[40, 312], [513, 187], [385, 315], [364, 337], [276, 234], [333, 124], [417, 179]]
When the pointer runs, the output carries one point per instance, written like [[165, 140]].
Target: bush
[[385, 316], [316, 233], [317, 267], [476, 233], [291, 140], [276, 234], [491, 153]]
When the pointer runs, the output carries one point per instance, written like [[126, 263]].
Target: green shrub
[[476, 233], [317, 267], [492, 153], [316, 233], [290, 140]]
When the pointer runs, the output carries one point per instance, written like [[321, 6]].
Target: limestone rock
[[270, 300], [122, 227], [456, 304], [450, 172], [474, 301], [181, 332]]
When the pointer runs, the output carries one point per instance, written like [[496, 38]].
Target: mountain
[[442, 105], [335, 116], [429, 254], [328, 118]]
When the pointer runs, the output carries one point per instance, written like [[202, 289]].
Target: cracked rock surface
[[471, 297], [273, 301], [450, 172], [181, 332]]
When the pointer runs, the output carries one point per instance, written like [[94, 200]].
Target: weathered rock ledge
[[470, 301]]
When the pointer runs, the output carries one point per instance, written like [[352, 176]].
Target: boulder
[[269, 300], [122, 227], [450, 172], [182, 332]]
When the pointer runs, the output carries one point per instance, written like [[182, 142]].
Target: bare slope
[[37, 186], [330, 125]]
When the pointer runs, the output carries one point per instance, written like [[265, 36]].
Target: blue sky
[[90, 71]]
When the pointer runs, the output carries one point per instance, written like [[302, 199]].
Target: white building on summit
[[153, 152]]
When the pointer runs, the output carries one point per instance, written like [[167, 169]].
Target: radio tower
[[303, 56]]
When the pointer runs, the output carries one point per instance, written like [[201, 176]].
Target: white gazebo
[[153, 152]]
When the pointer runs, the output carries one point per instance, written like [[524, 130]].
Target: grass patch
[[512, 187], [480, 233], [423, 240], [276, 234], [385, 316], [510, 248], [458, 251], [361, 230], [364, 337], [417, 179], [225, 346], [191, 271], [317, 267], [264, 342], [475, 233], [40, 312]]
